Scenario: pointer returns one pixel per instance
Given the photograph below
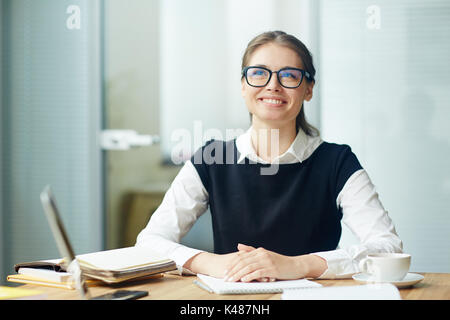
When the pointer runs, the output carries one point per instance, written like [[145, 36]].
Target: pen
[[203, 286]]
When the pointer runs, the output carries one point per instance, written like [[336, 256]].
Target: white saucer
[[409, 280]]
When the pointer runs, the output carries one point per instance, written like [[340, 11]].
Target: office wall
[[385, 92]]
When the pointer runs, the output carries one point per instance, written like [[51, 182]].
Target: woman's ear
[[243, 88], [309, 91]]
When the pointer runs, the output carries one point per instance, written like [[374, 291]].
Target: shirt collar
[[300, 149]]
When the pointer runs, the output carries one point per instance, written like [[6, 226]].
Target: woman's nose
[[273, 83]]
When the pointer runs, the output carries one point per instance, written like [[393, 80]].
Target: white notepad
[[220, 286]]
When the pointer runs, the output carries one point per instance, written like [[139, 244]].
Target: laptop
[[67, 253]]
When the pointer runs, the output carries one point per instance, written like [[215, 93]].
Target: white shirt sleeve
[[366, 217], [184, 202]]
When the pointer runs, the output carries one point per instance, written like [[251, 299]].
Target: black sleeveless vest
[[291, 212]]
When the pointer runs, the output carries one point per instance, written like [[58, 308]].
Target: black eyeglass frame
[[305, 74]]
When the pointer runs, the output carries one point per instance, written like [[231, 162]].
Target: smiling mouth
[[274, 102]]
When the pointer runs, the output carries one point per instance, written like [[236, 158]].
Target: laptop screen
[[61, 238]]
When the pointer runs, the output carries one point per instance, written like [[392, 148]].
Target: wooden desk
[[435, 286]]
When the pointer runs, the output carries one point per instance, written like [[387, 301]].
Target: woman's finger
[[259, 273], [241, 265], [244, 247], [245, 271], [239, 260], [266, 279]]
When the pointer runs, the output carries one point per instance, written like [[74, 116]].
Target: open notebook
[[220, 286]]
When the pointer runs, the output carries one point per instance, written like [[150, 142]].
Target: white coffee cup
[[386, 267]]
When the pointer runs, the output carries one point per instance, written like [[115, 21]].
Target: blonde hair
[[290, 41]]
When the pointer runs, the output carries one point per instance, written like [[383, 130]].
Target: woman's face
[[273, 104]]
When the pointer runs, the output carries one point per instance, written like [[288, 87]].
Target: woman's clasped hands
[[258, 264]]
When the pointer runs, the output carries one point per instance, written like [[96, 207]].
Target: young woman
[[281, 225]]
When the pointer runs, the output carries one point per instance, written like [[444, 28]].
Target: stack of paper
[[46, 274], [44, 277], [123, 264], [111, 266], [47, 277]]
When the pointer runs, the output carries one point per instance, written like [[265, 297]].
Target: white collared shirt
[[187, 199]]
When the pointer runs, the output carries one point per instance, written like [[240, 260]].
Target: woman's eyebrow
[[263, 65]]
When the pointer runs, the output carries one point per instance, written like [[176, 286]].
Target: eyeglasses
[[288, 77]]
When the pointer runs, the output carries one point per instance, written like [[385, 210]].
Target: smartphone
[[122, 295]]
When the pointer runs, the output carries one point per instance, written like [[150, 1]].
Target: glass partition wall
[[51, 117]]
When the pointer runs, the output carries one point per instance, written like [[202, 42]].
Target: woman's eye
[[289, 75], [258, 73]]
